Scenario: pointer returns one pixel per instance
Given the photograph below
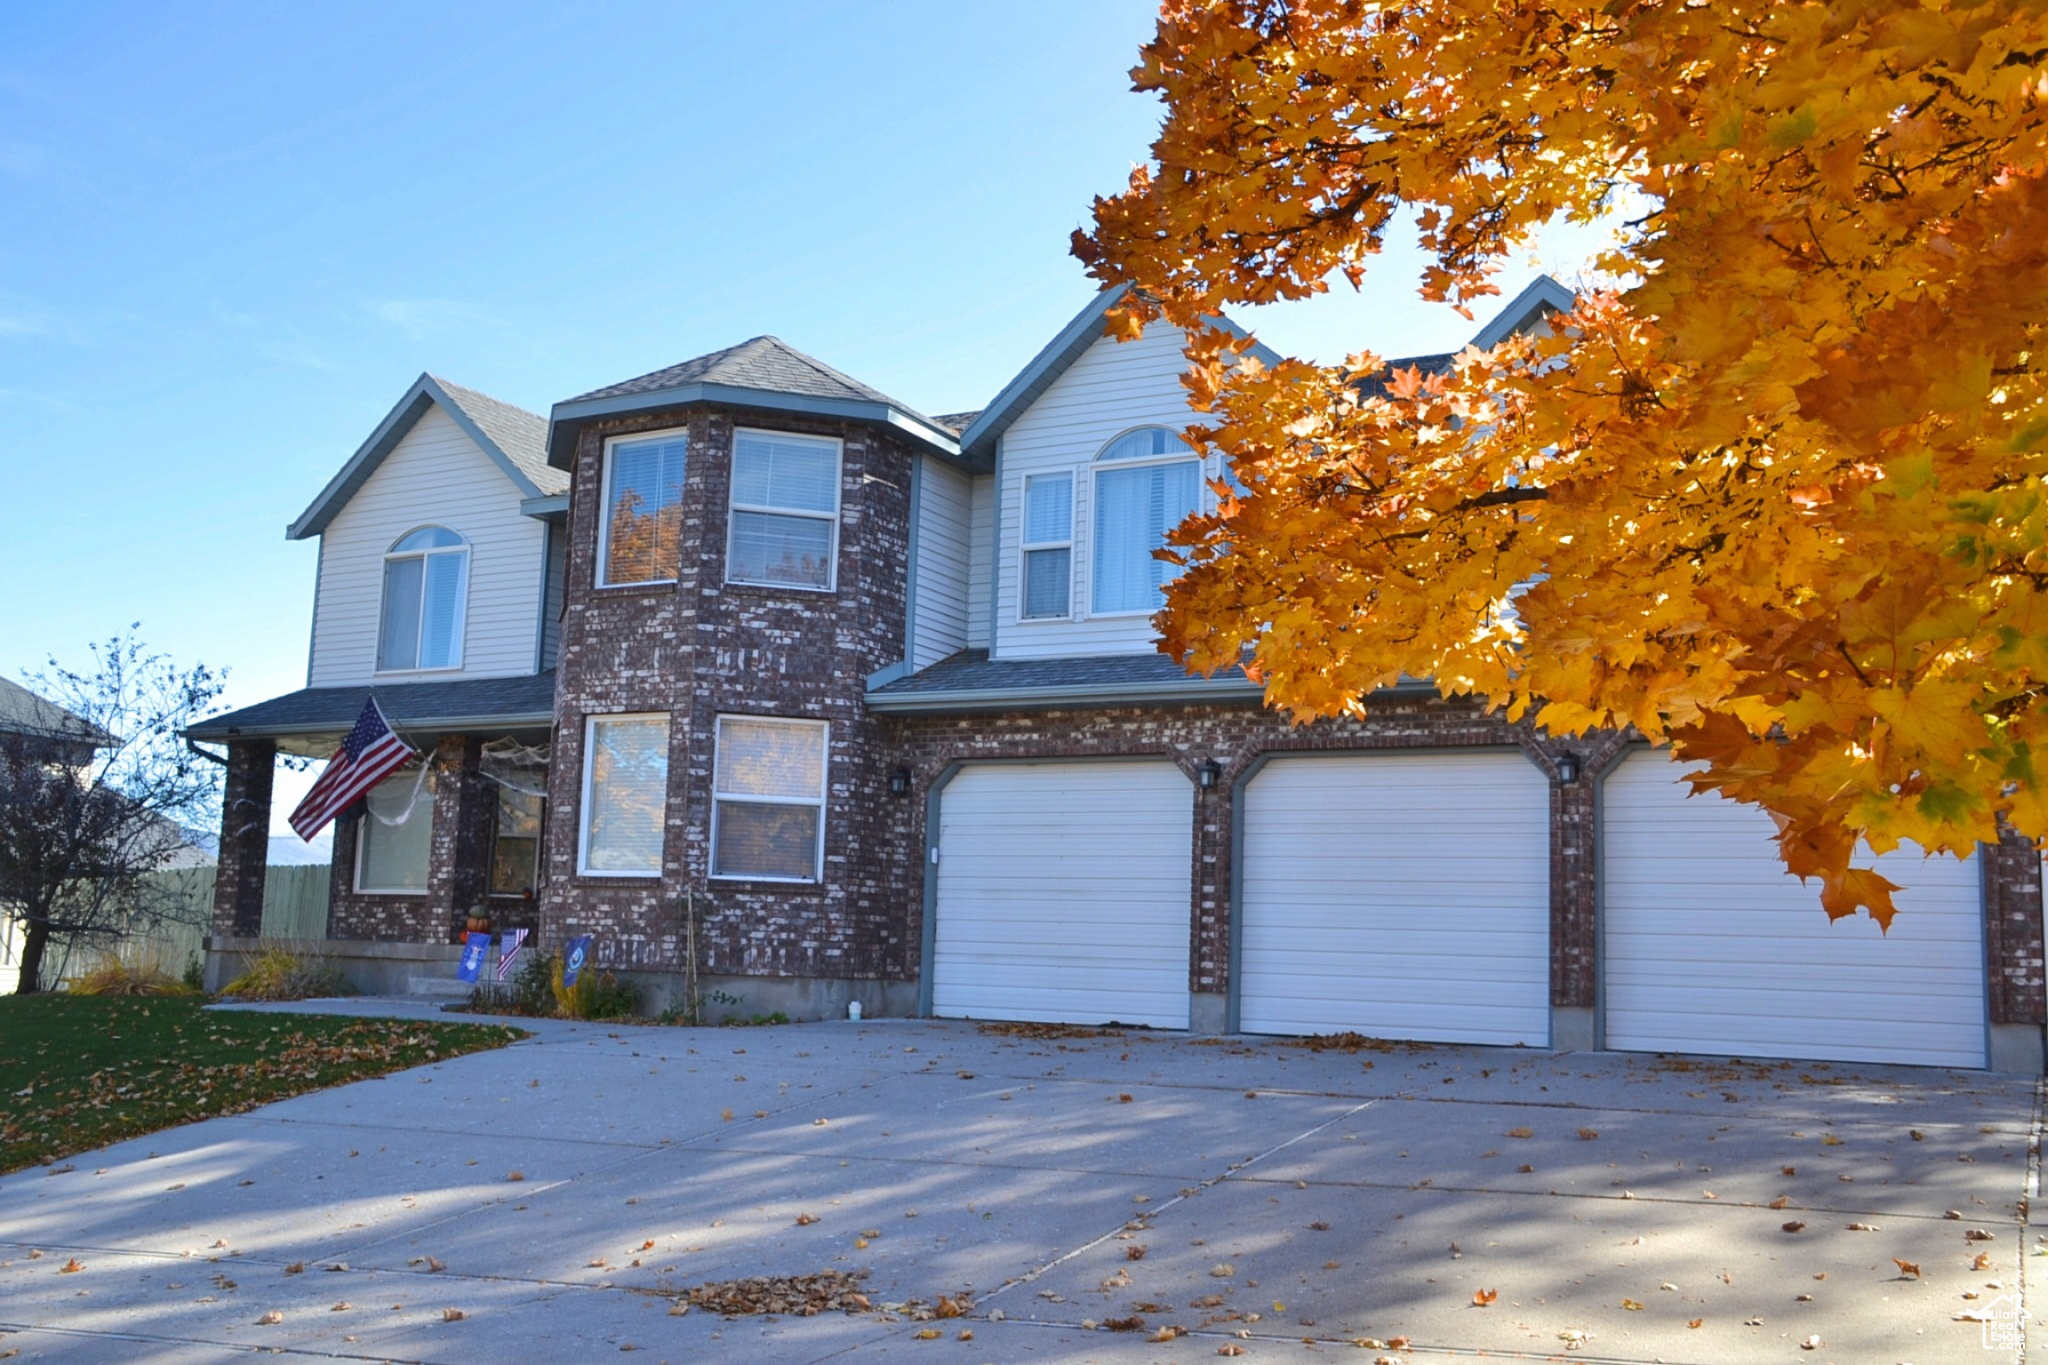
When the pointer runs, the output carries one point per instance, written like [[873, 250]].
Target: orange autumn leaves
[[1775, 498]]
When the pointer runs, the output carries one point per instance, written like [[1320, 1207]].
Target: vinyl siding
[[435, 475], [939, 626], [981, 559], [551, 606], [1110, 389]]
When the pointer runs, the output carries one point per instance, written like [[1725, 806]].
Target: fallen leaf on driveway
[[1979, 1235], [1812, 1343], [515, 1175], [453, 1315], [1588, 1134], [270, 1319], [1983, 1261], [1795, 1226], [1484, 1298], [1906, 1268], [1521, 1132], [1862, 1227], [1631, 1305], [71, 1267], [1781, 1202], [1696, 1323]]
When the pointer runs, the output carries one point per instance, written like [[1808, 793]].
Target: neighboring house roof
[[22, 712], [513, 438], [957, 421], [1542, 296], [978, 441], [474, 703], [761, 372]]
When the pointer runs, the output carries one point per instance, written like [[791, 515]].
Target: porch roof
[[526, 702]]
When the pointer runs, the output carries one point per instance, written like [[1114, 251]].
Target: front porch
[[453, 839]]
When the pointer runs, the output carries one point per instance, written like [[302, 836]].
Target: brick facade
[[465, 803], [701, 647]]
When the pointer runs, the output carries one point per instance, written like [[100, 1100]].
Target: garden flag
[[509, 944], [474, 946], [573, 955], [370, 753]]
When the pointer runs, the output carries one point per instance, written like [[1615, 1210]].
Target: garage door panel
[[1397, 895], [1062, 893], [1709, 946]]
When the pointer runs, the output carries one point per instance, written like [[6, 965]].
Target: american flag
[[509, 944], [370, 754]]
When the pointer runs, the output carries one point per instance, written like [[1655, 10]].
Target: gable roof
[[1541, 297], [978, 441], [512, 437], [761, 372], [22, 712]]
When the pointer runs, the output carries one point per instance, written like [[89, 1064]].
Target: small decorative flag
[[369, 754], [509, 944], [474, 946], [573, 956]]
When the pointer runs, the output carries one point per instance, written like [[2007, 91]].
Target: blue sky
[[232, 234]]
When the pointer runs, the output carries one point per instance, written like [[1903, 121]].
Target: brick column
[[2012, 929], [464, 803], [244, 838]]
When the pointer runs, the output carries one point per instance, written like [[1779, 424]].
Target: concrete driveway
[[1266, 1198]]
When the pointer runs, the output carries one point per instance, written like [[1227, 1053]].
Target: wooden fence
[[294, 907]]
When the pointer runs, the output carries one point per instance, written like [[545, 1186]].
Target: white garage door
[[1063, 893], [1709, 945], [1398, 896]]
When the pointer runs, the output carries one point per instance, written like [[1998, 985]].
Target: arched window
[[1146, 483], [426, 578]]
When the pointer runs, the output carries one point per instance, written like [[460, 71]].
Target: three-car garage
[[1408, 894]]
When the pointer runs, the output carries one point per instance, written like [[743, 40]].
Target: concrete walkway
[[1265, 1198]]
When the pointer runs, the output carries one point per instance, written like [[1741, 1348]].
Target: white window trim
[[1099, 466], [1070, 544], [461, 599], [590, 724], [733, 505], [604, 504], [363, 823], [824, 728]]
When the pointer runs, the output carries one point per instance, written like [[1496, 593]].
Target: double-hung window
[[1146, 483], [768, 808], [625, 795], [1048, 546], [425, 584], [785, 510], [640, 536], [395, 835]]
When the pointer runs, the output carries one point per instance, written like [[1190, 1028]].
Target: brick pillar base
[[244, 838]]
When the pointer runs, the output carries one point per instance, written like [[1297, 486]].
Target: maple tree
[[1772, 495]]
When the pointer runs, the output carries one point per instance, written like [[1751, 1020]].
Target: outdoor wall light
[[1208, 773], [899, 782], [1567, 769]]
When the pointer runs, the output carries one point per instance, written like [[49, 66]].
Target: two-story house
[[871, 702]]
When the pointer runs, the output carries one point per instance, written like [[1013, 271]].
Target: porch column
[[244, 838]]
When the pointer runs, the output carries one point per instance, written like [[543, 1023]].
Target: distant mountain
[[290, 850], [286, 850]]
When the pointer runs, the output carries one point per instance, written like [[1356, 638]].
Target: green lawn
[[78, 1072]]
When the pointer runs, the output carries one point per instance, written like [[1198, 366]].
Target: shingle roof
[[521, 435], [971, 681], [957, 421], [762, 372], [765, 363], [22, 712], [523, 701]]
